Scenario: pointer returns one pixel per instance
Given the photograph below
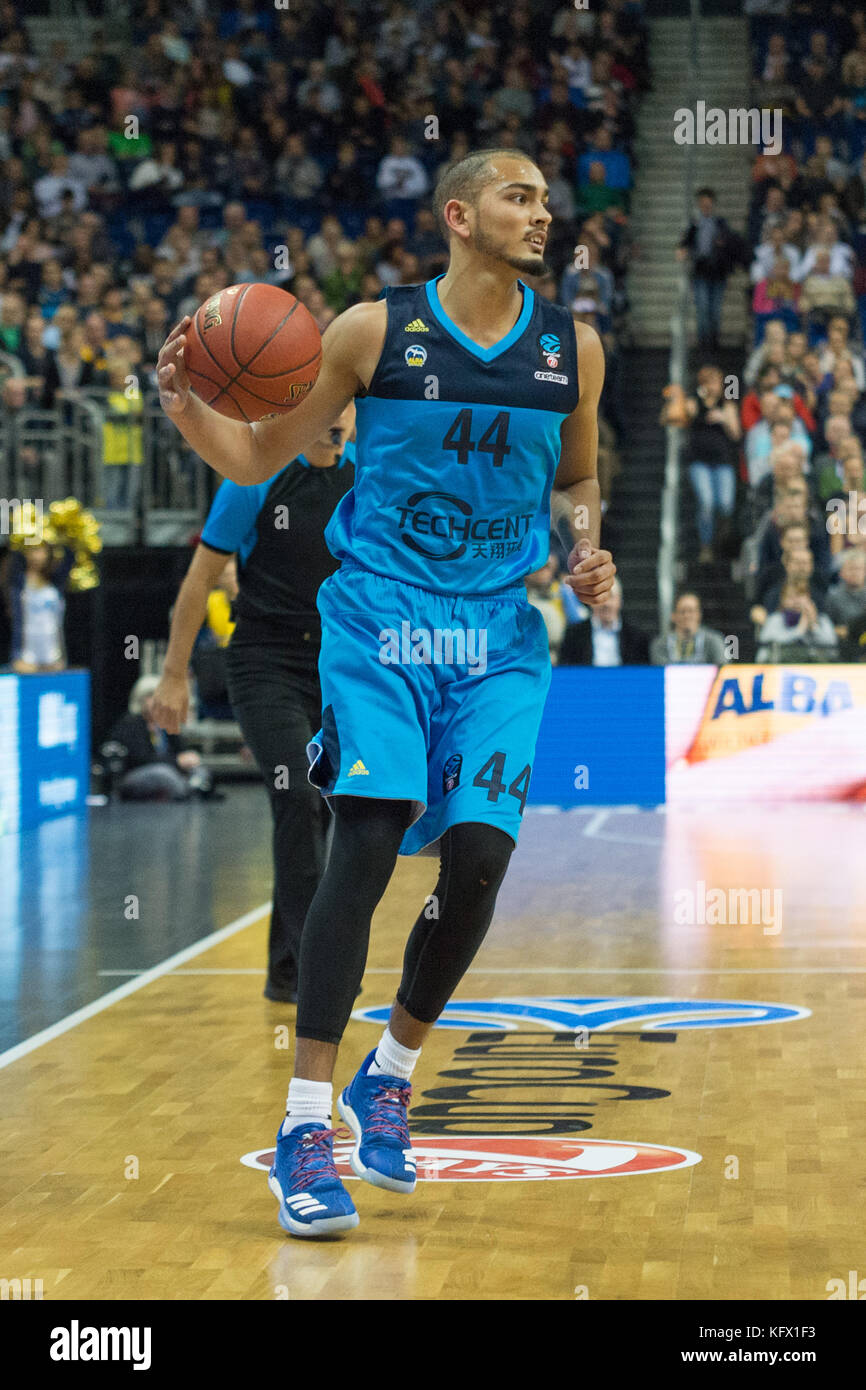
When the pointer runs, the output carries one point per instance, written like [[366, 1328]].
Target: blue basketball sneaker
[[375, 1109], [303, 1178]]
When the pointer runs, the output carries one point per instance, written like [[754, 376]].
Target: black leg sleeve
[[367, 835], [441, 948]]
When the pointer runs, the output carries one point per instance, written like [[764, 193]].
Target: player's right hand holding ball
[[171, 374]]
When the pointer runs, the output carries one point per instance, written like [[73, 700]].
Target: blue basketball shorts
[[430, 698]]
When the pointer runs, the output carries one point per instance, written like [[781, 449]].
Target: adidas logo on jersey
[[358, 770], [416, 326]]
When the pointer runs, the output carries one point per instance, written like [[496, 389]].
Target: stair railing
[[670, 501]]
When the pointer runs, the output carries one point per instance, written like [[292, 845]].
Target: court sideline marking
[[570, 970], [55, 1030]]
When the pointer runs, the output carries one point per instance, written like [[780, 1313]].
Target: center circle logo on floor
[[517, 1158], [562, 1013]]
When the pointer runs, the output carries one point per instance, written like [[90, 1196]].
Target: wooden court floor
[[121, 1138]]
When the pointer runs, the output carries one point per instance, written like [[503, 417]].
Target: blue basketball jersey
[[457, 447]]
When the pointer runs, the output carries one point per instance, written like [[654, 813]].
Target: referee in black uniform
[[276, 529]]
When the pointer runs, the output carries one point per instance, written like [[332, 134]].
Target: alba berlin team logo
[[517, 1158]]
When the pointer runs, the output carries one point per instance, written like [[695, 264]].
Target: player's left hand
[[591, 573]]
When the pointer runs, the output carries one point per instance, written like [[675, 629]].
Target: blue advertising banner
[[44, 747], [602, 738]]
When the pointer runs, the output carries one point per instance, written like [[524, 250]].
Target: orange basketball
[[252, 350]]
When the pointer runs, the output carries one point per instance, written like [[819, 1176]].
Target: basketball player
[[272, 659], [474, 398]]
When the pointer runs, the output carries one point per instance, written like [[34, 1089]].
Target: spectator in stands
[[72, 369], [770, 379], [342, 287], [774, 212], [600, 149], [561, 200], [40, 366], [92, 166], [797, 568], [158, 176], [776, 296], [155, 322], [426, 243], [846, 600], [50, 190], [838, 348], [346, 182], [797, 630], [787, 464], [817, 101], [775, 333], [13, 310], [122, 451], [297, 174], [95, 345], [828, 466], [52, 291], [605, 638], [775, 86], [323, 245], [688, 642], [710, 453], [713, 253], [768, 252], [826, 238], [851, 469], [778, 421], [792, 509], [401, 174], [824, 294], [596, 194]]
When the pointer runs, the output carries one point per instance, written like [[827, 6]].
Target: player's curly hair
[[465, 180]]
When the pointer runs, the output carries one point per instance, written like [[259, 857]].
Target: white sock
[[393, 1059], [307, 1101]]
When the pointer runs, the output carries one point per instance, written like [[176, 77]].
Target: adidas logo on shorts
[[358, 770], [416, 326]]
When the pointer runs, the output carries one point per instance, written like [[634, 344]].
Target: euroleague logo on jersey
[[516, 1158], [451, 773], [550, 348]]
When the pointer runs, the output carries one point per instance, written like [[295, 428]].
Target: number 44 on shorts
[[495, 782]]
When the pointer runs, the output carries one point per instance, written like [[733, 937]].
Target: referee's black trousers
[[276, 699]]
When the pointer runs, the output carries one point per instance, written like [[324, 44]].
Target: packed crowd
[[293, 146], [789, 443]]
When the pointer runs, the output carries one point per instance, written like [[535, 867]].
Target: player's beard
[[530, 264]]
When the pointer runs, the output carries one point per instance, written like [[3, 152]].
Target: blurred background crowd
[[773, 438], [296, 146]]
